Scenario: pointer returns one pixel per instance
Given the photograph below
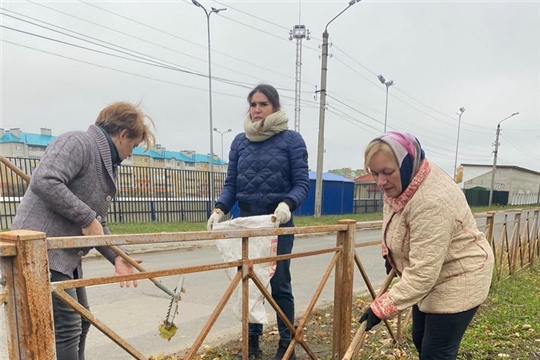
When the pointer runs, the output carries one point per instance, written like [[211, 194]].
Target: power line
[[102, 52], [350, 107], [175, 36], [402, 92], [397, 98], [167, 33], [159, 62], [230, 82], [120, 32], [115, 48], [519, 148], [251, 15], [334, 110], [114, 69], [353, 59]]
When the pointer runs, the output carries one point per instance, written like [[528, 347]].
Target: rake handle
[[138, 266], [15, 169], [358, 338]]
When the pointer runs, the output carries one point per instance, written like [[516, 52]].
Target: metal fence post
[[33, 305], [343, 289]]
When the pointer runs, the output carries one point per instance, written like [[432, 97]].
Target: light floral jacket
[[431, 238]]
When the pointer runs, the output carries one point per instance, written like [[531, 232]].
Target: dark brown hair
[[270, 92]]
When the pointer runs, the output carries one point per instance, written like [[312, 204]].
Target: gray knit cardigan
[[73, 184]]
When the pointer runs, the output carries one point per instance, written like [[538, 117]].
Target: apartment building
[[146, 171]]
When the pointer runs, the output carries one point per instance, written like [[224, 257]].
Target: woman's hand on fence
[[370, 317], [122, 267], [216, 216]]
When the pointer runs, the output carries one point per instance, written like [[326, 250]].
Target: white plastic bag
[[259, 247]]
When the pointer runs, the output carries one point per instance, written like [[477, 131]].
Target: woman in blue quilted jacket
[[267, 174]]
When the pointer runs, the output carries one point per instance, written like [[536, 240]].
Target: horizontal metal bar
[[165, 237], [179, 271], [7, 249]]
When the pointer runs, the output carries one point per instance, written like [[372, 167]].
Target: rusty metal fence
[[25, 296]]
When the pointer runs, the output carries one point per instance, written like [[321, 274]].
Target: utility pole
[[320, 141], [299, 32], [322, 111], [494, 169]]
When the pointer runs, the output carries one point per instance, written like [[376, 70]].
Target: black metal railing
[[144, 194]]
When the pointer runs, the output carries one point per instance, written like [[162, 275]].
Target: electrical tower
[[299, 32]]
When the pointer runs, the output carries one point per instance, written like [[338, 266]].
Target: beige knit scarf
[[261, 130]]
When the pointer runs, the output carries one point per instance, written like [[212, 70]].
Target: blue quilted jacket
[[262, 174]]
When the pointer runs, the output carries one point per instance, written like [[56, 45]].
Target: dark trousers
[[437, 336], [70, 329], [281, 285]]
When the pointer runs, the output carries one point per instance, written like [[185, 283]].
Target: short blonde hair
[[377, 146], [126, 116]]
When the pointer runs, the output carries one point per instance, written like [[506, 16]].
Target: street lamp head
[[389, 83], [381, 79], [352, 2], [196, 3], [229, 130], [462, 110], [506, 118], [215, 129], [216, 10]]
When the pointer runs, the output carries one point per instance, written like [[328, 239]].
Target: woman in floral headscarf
[[431, 239]]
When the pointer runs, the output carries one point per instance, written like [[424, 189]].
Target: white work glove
[[282, 213], [216, 216]]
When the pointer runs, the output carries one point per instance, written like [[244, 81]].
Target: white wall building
[[523, 185]]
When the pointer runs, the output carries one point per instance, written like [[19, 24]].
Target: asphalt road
[[135, 313]]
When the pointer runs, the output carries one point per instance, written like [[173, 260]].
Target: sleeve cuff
[[290, 203], [222, 207]]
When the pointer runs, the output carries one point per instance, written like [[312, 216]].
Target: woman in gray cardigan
[[70, 193]]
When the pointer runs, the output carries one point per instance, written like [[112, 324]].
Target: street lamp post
[[322, 110], [387, 84], [495, 157], [211, 166], [461, 111], [222, 133]]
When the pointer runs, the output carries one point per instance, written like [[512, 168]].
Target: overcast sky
[[484, 56]]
